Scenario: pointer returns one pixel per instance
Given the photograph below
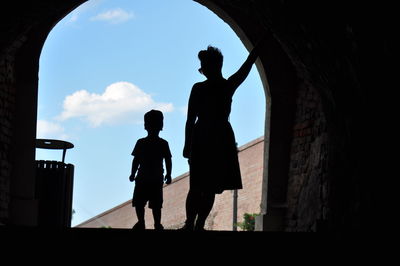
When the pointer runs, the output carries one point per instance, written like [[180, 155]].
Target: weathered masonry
[[325, 71]]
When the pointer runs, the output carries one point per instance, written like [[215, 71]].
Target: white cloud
[[121, 102], [183, 110], [74, 17], [50, 130], [75, 14], [114, 16]]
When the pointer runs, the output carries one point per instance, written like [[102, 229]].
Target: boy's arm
[[168, 165], [135, 166]]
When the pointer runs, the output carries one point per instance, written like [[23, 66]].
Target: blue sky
[[106, 64]]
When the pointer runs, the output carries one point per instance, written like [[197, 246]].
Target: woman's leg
[[192, 207], [207, 202]]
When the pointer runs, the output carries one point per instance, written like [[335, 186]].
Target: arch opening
[[248, 45], [316, 122]]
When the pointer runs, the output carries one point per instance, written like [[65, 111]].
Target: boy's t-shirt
[[150, 152]]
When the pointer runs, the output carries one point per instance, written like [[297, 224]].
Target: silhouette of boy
[[149, 153]]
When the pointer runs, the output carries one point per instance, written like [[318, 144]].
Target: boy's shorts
[[148, 192]]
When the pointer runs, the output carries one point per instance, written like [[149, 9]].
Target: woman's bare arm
[[191, 119], [238, 78]]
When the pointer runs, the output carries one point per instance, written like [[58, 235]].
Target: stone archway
[[317, 64], [26, 68]]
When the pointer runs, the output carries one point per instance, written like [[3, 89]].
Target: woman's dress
[[214, 164]]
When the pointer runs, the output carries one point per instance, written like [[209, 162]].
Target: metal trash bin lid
[[54, 144]]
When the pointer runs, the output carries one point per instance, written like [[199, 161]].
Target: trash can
[[54, 186]]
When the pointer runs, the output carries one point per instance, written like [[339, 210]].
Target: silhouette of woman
[[209, 139]]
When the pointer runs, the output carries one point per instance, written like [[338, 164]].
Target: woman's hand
[[186, 152]]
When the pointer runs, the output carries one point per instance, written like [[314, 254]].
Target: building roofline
[[251, 143]]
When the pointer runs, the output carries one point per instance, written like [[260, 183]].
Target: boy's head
[[153, 120]]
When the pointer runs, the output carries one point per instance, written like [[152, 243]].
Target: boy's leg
[[140, 213], [139, 202], [140, 225], [155, 204], [157, 218], [157, 215]]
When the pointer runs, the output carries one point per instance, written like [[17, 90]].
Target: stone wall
[[7, 109], [23, 27], [7, 101], [342, 53], [308, 183]]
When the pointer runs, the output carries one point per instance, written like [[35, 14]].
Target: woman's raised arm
[[240, 75]]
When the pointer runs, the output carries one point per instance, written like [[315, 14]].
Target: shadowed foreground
[[121, 243]]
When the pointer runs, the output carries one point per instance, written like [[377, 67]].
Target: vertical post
[[63, 155], [234, 212]]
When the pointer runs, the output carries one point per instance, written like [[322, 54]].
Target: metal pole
[[63, 155], [234, 213]]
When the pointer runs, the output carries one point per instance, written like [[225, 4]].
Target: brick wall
[[307, 183], [7, 108], [7, 100], [173, 212]]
